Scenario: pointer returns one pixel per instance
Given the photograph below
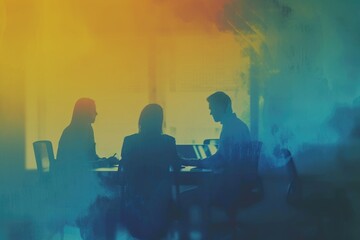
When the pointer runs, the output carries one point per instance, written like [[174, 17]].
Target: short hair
[[220, 98]]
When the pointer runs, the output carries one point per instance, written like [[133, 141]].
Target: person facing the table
[[221, 188], [77, 144], [76, 184], [146, 158], [234, 132]]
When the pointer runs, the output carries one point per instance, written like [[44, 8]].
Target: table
[[188, 175]]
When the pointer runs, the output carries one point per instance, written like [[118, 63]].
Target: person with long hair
[[147, 157], [77, 143], [77, 185]]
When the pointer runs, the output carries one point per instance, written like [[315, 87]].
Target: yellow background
[[123, 54]]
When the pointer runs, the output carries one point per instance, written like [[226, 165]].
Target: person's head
[[84, 111], [151, 119], [219, 105]]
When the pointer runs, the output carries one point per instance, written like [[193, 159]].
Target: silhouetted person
[[234, 134], [77, 144], [77, 184], [146, 159]]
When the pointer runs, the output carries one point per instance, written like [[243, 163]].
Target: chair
[[210, 146], [147, 200], [211, 142], [248, 190], [44, 156], [294, 192], [319, 200]]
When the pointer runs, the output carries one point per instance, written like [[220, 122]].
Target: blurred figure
[[147, 157], [234, 134], [76, 184], [234, 131], [77, 144]]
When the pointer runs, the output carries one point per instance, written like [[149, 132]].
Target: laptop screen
[[212, 149], [194, 151], [186, 151]]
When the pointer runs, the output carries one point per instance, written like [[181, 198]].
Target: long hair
[[83, 110], [151, 120]]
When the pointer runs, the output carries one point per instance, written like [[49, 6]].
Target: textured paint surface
[[123, 55], [298, 58], [291, 68]]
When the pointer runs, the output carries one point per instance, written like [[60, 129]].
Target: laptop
[[193, 151]]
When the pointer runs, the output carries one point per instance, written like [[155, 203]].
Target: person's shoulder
[[132, 137], [67, 132], [168, 138], [240, 122], [130, 141], [241, 126], [78, 129]]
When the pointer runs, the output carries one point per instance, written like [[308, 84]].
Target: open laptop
[[210, 149], [194, 151]]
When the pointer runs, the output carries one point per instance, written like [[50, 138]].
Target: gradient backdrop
[[298, 60], [124, 55]]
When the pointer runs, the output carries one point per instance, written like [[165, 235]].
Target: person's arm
[[210, 162], [125, 152], [92, 146], [113, 160], [190, 162], [213, 162], [175, 160], [217, 160], [96, 161], [84, 140]]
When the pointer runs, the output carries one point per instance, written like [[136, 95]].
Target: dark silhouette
[[329, 207], [77, 144], [77, 184], [146, 159], [235, 134]]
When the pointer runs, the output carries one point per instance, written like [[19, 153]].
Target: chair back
[[145, 178], [147, 200], [247, 160], [44, 155], [211, 142], [242, 183], [294, 194]]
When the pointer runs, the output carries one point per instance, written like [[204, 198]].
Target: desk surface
[[183, 169]]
